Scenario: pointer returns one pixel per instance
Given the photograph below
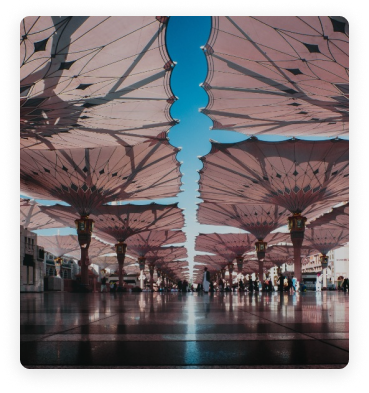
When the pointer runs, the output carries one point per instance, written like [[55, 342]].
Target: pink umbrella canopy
[[111, 262], [118, 222], [144, 242], [287, 252], [337, 218], [215, 261], [59, 245], [69, 246], [96, 249], [298, 175], [278, 259], [260, 220], [326, 239], [225, 244], [161, 255], [32, 218], [88, 178], [280, 75], [94, 81]]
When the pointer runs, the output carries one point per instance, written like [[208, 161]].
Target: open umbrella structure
[[116, 223], [278, 75], [259, 220], [158, 257], [32, 218], [95, 113], [337, 218], [326, 239], [302, 176], [94, 81], [230, 246]]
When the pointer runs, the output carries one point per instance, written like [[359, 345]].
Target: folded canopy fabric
[[326, 239], [338, 217]]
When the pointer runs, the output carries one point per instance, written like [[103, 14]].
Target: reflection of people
[[103, 284], [294, 282], [319, 282], [206, 280]]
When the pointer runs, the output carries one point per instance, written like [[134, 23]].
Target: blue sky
[[185, 36]]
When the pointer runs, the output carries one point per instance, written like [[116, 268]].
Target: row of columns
[[296, 225]]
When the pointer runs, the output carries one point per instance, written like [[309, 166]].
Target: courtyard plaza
[[185, 330]]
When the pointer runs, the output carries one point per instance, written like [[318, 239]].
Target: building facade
[[31, 262]]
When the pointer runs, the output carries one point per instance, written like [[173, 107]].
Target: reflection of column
[[151, 269], [239, 260], [260, 247], [84, 227], [324, 263], [296, 225], [120, 249], [230, 270]]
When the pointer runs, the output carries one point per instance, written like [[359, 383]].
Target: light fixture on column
[[324, 261]]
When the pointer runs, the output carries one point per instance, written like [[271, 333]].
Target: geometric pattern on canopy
[[229, 245], [117, 222], [326, 239], [32, 218], [87, 178], [295, 174], [281, 75], [144, 242], [338, 217], [259, 220], [93, 81]]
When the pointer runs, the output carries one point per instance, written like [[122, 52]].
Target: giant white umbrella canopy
[[337, 218], [58, 245], [279, 75], [326, 239], [94, 81], [230, 246], [143, 242], [88, 178], [32, 218], [116, 223], [259, 220], [294, 174], [301, 176]]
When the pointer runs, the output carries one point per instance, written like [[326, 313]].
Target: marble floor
[[175, 330]]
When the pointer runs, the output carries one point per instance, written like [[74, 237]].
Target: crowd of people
[[284, 283]]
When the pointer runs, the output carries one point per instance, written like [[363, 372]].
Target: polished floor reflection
[[185, 330]]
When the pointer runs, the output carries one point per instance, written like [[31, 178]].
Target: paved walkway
[[185, 330]]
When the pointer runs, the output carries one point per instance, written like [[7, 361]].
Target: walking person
[[345, 285], [103, 284], [281, 282], [251, 284], [290, 285], [206, 280], [319, 282], [294, 283]]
